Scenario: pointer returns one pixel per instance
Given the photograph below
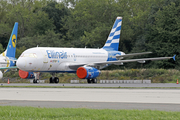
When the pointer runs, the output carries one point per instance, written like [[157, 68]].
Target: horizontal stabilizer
[[13, 67]]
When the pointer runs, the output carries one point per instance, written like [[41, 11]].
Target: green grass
[[32, 113]]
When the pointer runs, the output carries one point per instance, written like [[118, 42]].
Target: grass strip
[[29, 113]]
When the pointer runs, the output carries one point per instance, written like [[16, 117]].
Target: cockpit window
[[32, 55]]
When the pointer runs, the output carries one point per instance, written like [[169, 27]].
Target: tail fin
[[112, 42], [11, 47]]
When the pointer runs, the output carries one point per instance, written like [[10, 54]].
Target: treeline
[[148, 25]]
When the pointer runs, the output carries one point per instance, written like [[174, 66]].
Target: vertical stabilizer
[[112, 42], [11, 47]]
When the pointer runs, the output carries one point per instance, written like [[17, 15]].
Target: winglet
[[174, 57]]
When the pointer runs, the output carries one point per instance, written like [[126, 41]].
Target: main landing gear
[[53, 79], [93, 80]]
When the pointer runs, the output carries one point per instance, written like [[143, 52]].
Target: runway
[[154, 99], [166, 85]]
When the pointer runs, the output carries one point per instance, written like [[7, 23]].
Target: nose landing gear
[[36, 75]]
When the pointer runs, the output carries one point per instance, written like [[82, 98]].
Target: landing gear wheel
[[56, 80], [88, 80], [34, 81], [51, 80], [94, 80]]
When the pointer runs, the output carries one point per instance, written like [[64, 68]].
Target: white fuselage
[[48, 59]]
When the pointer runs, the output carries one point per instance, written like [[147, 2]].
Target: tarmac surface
[[154, 99], [168, 85]]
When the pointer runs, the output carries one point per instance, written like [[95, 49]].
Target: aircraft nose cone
[[21, 63]]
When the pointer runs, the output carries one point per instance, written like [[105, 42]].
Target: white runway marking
[[92, 95]]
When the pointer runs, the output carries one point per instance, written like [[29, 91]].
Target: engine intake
[[87, 72], [26, 75]]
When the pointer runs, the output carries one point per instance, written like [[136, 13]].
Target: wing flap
[[133, 54]]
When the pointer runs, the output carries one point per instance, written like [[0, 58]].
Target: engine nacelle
[[1, 75], [26, 75], [87, 72]]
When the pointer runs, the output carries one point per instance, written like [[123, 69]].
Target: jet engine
[[87, 72], [26, 75], [1, 75]]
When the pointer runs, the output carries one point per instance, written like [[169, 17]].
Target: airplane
[[85, 62], [7, 58]]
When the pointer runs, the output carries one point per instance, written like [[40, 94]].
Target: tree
[[1, 48], [56, 12], [49, 39], [32, 20], [163, 36]]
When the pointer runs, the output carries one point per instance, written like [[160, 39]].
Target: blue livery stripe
[[109, 41], [111, 34], [116, 37]]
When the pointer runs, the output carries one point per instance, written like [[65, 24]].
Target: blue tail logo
[[14, 40], [112, 42]]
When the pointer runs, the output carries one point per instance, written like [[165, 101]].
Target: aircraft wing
[[142, 60], [75, 66], [132, 54], [13, 67], [119, 62], [4, 63], [7, 62]]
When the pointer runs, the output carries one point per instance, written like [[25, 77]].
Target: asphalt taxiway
[[154, 99], [168, 85]]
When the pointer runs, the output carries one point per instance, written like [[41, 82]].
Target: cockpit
[[32, 55]]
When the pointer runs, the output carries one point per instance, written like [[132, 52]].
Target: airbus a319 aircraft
[[85, 62], [7, 58]]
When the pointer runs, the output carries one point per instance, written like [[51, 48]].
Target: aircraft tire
[[56, 80], [34, 81], [94, 80], [89, 81], [51, 80]]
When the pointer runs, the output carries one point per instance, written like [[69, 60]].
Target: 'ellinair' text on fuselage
[[55, 54]]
